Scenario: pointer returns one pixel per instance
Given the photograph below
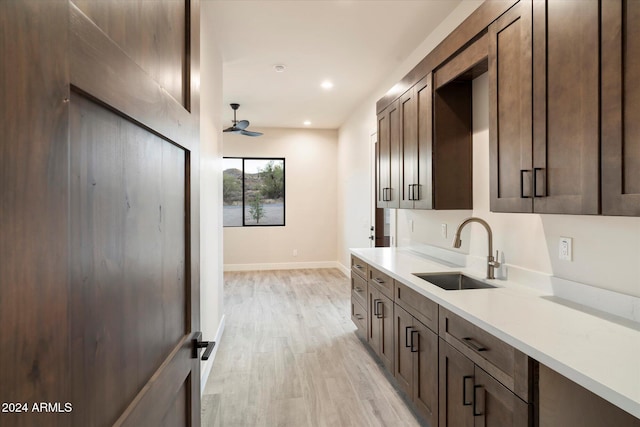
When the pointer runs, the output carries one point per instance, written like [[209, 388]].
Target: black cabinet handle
[[358, 289], [475, 345], [535, 183], [464, 390], [378, 281], [197, 344], [406, 336], [379, 313], [475, 400], [375, 307], [412, 349], [522, 195]]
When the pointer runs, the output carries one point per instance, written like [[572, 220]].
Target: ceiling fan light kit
[[240, 126]]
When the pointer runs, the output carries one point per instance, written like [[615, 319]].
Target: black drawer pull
[[359, 317], [535, 183], [358, 289], [475, 345], [380, 313], [464, 389], [475, 400], [413, 350], [522, 195], [375, 307], [406, 336], [378, 281]]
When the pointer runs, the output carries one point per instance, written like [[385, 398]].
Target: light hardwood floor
[[289, 357]]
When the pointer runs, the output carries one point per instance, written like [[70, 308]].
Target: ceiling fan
[[240, 126]]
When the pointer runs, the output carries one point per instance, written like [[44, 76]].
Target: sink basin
[[453, 281]]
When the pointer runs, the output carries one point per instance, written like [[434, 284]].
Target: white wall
[[211, 281], [310, 202], [606, 250], [354, 163]]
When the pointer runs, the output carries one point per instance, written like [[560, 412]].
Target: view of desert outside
[[262, 200]]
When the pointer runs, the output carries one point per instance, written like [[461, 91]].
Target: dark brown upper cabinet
[[416, 154], [566, 134], [560, 171], [510, 110], [387, 157], [620, 107]]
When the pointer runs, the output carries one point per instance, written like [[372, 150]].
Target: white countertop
[[601, 355]]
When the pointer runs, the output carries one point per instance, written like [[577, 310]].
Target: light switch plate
[[443, 230], [565, 249]]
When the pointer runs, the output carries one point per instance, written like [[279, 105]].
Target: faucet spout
[[492, 262]]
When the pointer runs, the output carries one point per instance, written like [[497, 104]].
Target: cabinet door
[[383, 162], [394, 157], [385, 314], [425, 372], [510, 114], [494, 405], [403, 324], [456, 388], [566, 106], [373, 321], [620, 107], [424, 111], [408, 153]]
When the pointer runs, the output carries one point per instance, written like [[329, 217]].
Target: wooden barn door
[[99, 252]]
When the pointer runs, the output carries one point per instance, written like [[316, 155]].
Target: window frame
[[284, 193]]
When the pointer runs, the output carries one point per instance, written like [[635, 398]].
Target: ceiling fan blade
[[242, 124], [250, 133]]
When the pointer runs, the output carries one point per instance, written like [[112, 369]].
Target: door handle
[[197, 344], [475, 400], [535, 182], [379, 314], [375, 307], [412, 349], [522, 195], [464, 390], [406, 336]]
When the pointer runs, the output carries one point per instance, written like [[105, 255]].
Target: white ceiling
[[353, 43]]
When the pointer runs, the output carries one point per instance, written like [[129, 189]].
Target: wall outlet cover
[[565, 249], [443, 230]]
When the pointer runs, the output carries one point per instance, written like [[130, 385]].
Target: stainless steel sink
[[453, 281]]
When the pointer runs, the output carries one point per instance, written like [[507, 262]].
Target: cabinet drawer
[[359, 267], [511, 367], [419, 306], [359, 317], [381, 281], [359, 289]]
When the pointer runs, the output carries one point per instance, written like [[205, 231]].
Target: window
[[252, 192]]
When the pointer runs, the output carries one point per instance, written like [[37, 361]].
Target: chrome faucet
[[492, 263]]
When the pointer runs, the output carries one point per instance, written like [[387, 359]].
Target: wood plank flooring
[[289, 357]]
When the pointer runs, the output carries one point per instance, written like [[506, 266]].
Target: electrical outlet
[[295, 252], [443, 230], [565, 248]]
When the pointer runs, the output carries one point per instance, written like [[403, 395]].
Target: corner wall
[[310, 202], [211, 280]]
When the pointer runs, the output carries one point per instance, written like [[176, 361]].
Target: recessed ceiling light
[[326, 85], [279, 68], [307, 123]]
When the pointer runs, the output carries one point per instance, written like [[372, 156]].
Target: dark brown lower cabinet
[[564, 403], [416, 363], [380, 326], [469, 397]]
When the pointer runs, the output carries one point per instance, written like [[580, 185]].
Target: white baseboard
[[346, 271], [206, 366], [282, 266]]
